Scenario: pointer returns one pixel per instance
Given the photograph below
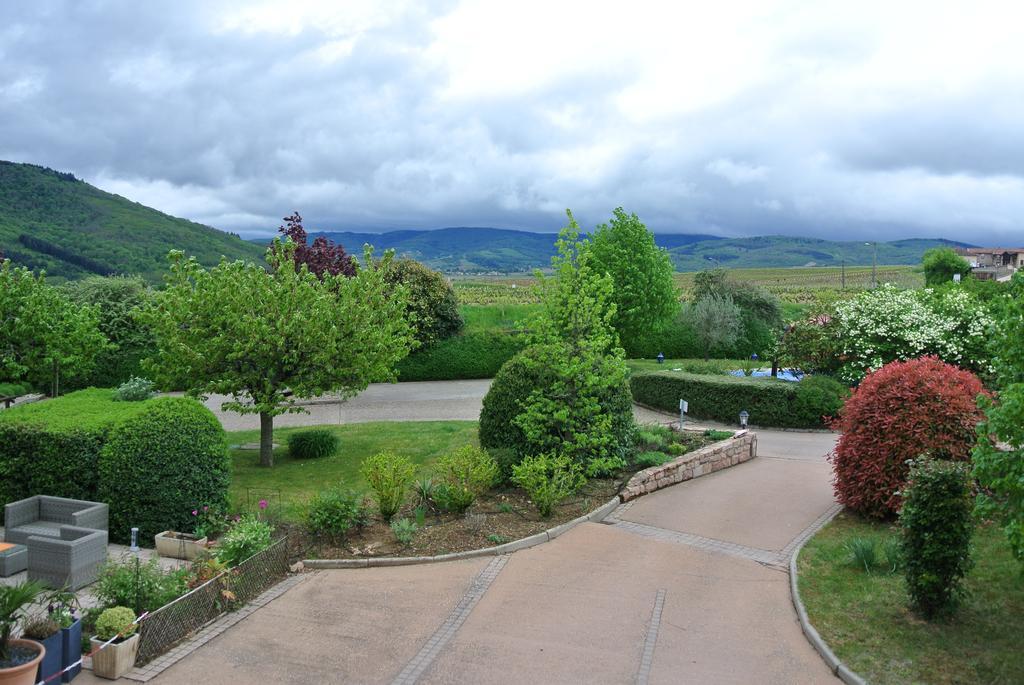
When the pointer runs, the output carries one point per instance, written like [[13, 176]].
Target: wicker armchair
[[71, 561], [44, 516]]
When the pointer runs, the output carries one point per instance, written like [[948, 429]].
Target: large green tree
[[941, 263], [44, 336], [269, 339], [644, 294], [1000, 468], [583, 411], [117, 298]]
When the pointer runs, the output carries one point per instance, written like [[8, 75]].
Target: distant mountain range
[[54, 221], [481, 249]]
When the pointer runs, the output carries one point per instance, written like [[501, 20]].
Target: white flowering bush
[[887, 324]]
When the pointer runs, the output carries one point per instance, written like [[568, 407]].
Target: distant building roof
[[988, 250]]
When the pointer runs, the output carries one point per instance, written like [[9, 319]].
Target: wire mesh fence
[[173, 622]]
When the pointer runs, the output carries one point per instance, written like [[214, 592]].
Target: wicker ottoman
[[13, 559]]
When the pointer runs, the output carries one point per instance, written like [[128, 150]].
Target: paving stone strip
[[762, 556], [430, 651], [647, 659]]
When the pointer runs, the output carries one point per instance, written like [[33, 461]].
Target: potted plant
[[46, 631], [115, 644], [62, 609], [19, 659]]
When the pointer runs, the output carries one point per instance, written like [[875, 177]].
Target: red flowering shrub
[[899, 412]]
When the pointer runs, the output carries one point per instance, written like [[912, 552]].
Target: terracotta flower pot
[[116, 659], [26, 673]]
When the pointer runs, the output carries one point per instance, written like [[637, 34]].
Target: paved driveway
[[686, 585]]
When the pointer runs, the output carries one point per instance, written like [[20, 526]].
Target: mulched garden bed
[[498, 517]]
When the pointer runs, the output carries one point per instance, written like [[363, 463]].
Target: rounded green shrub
[[158, 463], [135, 389], [115, 622], [465, 474], [646, 460], [312, 444], [816, 398], [548, 480], [334, 512]]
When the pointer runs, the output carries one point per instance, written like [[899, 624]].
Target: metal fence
[[173, 622]]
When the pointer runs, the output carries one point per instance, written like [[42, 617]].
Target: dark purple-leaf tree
[[323, 256]]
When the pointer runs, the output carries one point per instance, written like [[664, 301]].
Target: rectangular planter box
[[52, 661], [179, 545], [71, 638], [116, 659]]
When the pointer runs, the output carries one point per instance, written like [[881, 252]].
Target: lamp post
[[661, 358], [743, 418], [874, 263], [134, 549]]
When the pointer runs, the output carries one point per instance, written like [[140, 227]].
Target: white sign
[[683, 406]]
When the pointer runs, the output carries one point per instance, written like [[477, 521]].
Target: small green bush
[[247, 537], [389, 476], [116, 621], [134, 389], [605, 467], [334, 512], [404, 530], [654, 437], [158, 464], [504, 402], [646, 460], [936, 535], [144, 586], [423, 489], [505, 458], [312, 444], [677, 449], [548, 480], [13, 389], [470, 355], [769, 402], [819, 398], [717, 435], [466, 474]]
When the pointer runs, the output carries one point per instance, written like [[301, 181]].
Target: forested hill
[[53, 221], [483, 249]]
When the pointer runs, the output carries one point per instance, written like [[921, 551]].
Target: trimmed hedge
[[159, 465], [142, 458], [471, 355], [53, 447], [770, 402]]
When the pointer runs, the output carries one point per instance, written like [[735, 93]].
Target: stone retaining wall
[[736, 450]]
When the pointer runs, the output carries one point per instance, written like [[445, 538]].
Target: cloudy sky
[[843, 120]]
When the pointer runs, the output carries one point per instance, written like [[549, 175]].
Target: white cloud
[[825, 118]]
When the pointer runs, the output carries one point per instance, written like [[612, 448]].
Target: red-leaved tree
[[323, 256], [900, 412]]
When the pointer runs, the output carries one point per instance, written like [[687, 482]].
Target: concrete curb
[[838, 668], [595, 516]]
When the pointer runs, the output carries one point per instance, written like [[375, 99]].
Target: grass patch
[[864, 617], [496, 317], [296, 480]]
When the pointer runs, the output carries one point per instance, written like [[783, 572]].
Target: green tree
[[645, 297], [117, 298], [270, 339], [716, 320], [941, 263], [44, 336], [577, 414], [1001, 469], [433, 307]]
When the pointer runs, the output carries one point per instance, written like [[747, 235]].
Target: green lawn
[[496, 317], [292, 481], [865, 620]]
